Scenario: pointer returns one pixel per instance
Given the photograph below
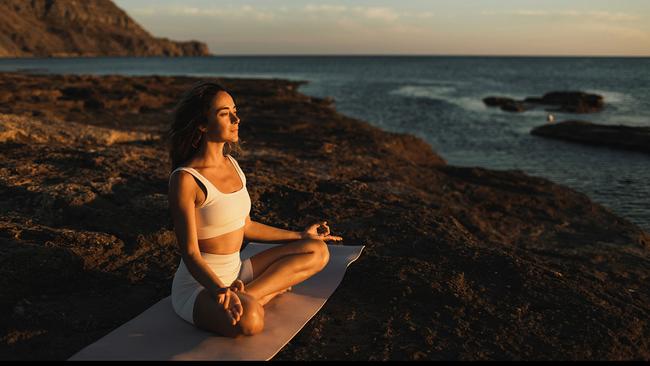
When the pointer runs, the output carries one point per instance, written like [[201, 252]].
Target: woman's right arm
[[182, 195]]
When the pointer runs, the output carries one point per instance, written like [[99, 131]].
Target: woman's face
[[222, 120]]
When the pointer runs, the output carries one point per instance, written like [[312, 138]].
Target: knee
[[252, 321], [321, 252]]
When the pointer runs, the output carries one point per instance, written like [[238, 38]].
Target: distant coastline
[[60, 29]]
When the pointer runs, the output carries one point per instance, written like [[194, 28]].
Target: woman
[[212, 288]]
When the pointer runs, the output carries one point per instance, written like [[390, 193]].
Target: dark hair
[[190, 113]]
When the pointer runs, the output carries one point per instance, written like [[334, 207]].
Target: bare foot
[[265, 299]]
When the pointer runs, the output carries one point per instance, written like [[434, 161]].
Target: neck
[[210, 154]]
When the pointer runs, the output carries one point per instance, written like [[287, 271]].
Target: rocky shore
[[612, 136], [460, 263]]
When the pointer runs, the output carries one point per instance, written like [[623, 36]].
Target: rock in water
[[563, 101], [572, 101], [506, 104], [70, 28], [620, 137]]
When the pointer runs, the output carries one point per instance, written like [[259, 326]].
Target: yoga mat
[[160, 334]]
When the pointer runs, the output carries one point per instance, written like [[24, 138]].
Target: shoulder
[[181, 183]]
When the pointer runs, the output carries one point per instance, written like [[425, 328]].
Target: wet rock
[[562, 101], [612, 136], [571, 101], [506, 104]]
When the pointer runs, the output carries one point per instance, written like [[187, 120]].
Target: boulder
[[613, 136], [572, 101], [561, 101], [506, 104]]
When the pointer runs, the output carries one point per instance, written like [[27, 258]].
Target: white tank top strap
[[239, 171], [206, 183]]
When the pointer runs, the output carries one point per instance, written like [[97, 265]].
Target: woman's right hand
[[231, 304], [237, 286]]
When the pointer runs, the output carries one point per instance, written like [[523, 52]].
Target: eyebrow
[[219, 109]]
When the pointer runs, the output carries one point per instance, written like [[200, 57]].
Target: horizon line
[[336, 55], [420, 54]]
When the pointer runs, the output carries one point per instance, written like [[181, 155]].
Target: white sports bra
[[220, 213]]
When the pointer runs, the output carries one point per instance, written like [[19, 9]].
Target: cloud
[[614, 17], [374, 13], [144, 11], [533, 13], [321, 8], [604, 24], [619, 31], [424, 15], [588, 15], [244, 11], [383, 14], [319, 12]]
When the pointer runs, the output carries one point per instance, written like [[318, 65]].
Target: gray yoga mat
[[160, 334]]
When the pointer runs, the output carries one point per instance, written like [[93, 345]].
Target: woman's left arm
[[256, 231]]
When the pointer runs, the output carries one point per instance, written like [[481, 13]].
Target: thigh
[[261, 261]]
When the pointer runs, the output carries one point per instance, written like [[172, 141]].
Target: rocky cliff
[[68, 28]]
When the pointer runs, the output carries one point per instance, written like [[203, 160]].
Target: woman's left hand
[[312, 232]]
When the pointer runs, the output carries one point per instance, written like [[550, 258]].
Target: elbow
[[190, 256], [247, 227]]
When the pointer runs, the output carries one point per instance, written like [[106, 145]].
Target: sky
[[410, 27]]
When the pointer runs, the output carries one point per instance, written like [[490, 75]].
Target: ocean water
[[440, 100]]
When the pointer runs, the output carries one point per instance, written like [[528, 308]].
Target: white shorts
[[185, 288]]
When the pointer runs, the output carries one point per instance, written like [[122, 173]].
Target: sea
[[439, 98]]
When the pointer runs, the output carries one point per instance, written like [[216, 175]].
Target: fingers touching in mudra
[[231, 303], [321, 231]]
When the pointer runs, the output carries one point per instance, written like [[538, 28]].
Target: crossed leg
[[279, 268]]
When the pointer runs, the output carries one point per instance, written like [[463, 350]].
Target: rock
[[22, 129], [613, 136], [68, 28], [572, 101], [514, 107], [497, 101], [77, 93], [506, 104], [94, 103], [563, 101]]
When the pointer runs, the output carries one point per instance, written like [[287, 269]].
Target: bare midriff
[[227, 243]]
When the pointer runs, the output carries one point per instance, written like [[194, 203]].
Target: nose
[[234, 119]]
